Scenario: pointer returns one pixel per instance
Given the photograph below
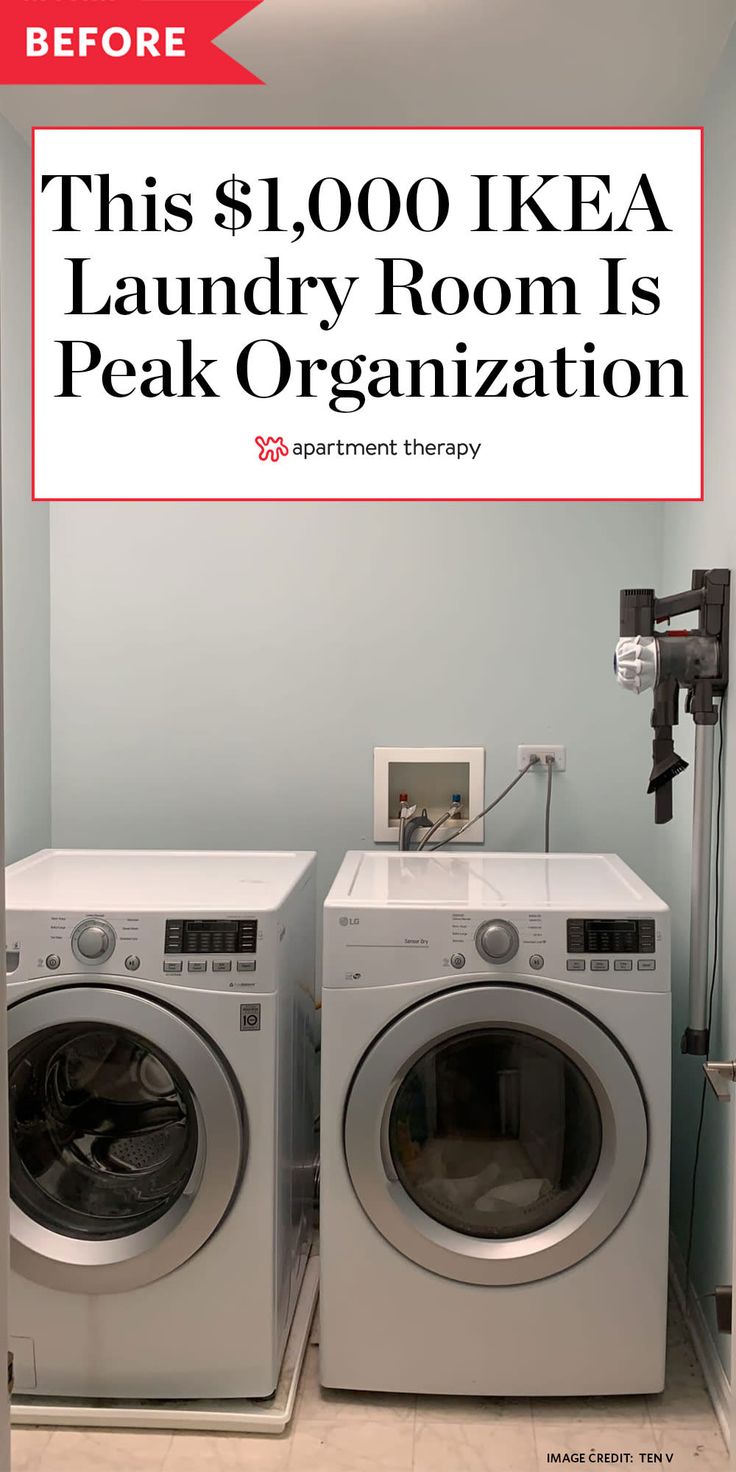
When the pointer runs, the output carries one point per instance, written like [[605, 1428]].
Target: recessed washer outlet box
[[430, 775]]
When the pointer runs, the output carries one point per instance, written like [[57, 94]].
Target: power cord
[[711, 995], [550, 768], [533, 761]]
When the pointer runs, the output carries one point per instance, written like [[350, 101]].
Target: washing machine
[[161, 1130], [495, 1126]]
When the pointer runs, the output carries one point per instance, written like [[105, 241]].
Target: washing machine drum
[[495, 1134], [127, 1138]]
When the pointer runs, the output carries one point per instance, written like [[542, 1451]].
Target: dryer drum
[[495, 1133]]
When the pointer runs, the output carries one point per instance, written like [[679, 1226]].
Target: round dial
[[93, 940], [497, 941]]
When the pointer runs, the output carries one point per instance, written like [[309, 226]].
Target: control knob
[[497, 941], [93, 940]]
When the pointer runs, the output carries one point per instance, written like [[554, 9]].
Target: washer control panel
[[219, 937], [225, 952], [93, 941]]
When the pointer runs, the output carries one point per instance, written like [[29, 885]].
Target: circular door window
[[103, 1130], [495, 1134], [127, 1138]]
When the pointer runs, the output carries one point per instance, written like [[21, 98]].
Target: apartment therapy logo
[[156, 42]]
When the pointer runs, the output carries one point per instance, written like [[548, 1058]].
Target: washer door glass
[[103, 1130], [128, 1138], [495, 1133]]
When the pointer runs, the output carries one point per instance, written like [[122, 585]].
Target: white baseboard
[[714, 1374]]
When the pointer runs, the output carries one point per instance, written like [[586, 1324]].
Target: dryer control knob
[[497, 941], [93, 940]]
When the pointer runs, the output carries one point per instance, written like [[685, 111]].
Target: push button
[[53, 962], [576, 965], [222, 965], [457, 961], [196, 965], [646, 965], [623, 965], [600, 965], [536, 962], [172, 968], [246, 965]]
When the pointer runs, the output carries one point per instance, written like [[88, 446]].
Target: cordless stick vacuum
[[696, 661]]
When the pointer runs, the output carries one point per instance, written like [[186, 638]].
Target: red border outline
[[371, 128]]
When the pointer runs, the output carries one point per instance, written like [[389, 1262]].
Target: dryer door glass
[[495, 1133], [103, 1130]]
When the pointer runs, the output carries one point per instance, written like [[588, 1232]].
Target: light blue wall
[[220, 674], [25, 529], [705, 536]]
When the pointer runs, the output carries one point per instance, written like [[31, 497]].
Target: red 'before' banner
[[124, 41]]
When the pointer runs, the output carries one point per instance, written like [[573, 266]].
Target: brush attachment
[[665, 770]]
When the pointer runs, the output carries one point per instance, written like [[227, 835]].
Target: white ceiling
[[433, 61]]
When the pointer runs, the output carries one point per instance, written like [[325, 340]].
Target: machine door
[[127, 1139], [495, 1134]]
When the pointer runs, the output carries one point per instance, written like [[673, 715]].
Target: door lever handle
[[720, 1076]]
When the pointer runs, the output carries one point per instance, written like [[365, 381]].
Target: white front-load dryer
[[161, 1125], [495, 1126]]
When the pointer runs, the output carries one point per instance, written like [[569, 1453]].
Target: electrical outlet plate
[[559, 753], [430, 775]]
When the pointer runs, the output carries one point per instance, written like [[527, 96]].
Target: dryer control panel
[[610, 937], [370, 947], [615, 943]]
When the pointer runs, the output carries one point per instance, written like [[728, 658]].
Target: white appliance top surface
[[492, 880], [138, 880]]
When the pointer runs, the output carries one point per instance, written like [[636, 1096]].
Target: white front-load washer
[[495, 1126], [161, 1129]]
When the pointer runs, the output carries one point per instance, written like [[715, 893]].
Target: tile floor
[[337, 1432]]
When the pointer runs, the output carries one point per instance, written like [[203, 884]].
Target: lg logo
[[346, 920]]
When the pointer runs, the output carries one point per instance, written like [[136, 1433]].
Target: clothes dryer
[[495, 1126]]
